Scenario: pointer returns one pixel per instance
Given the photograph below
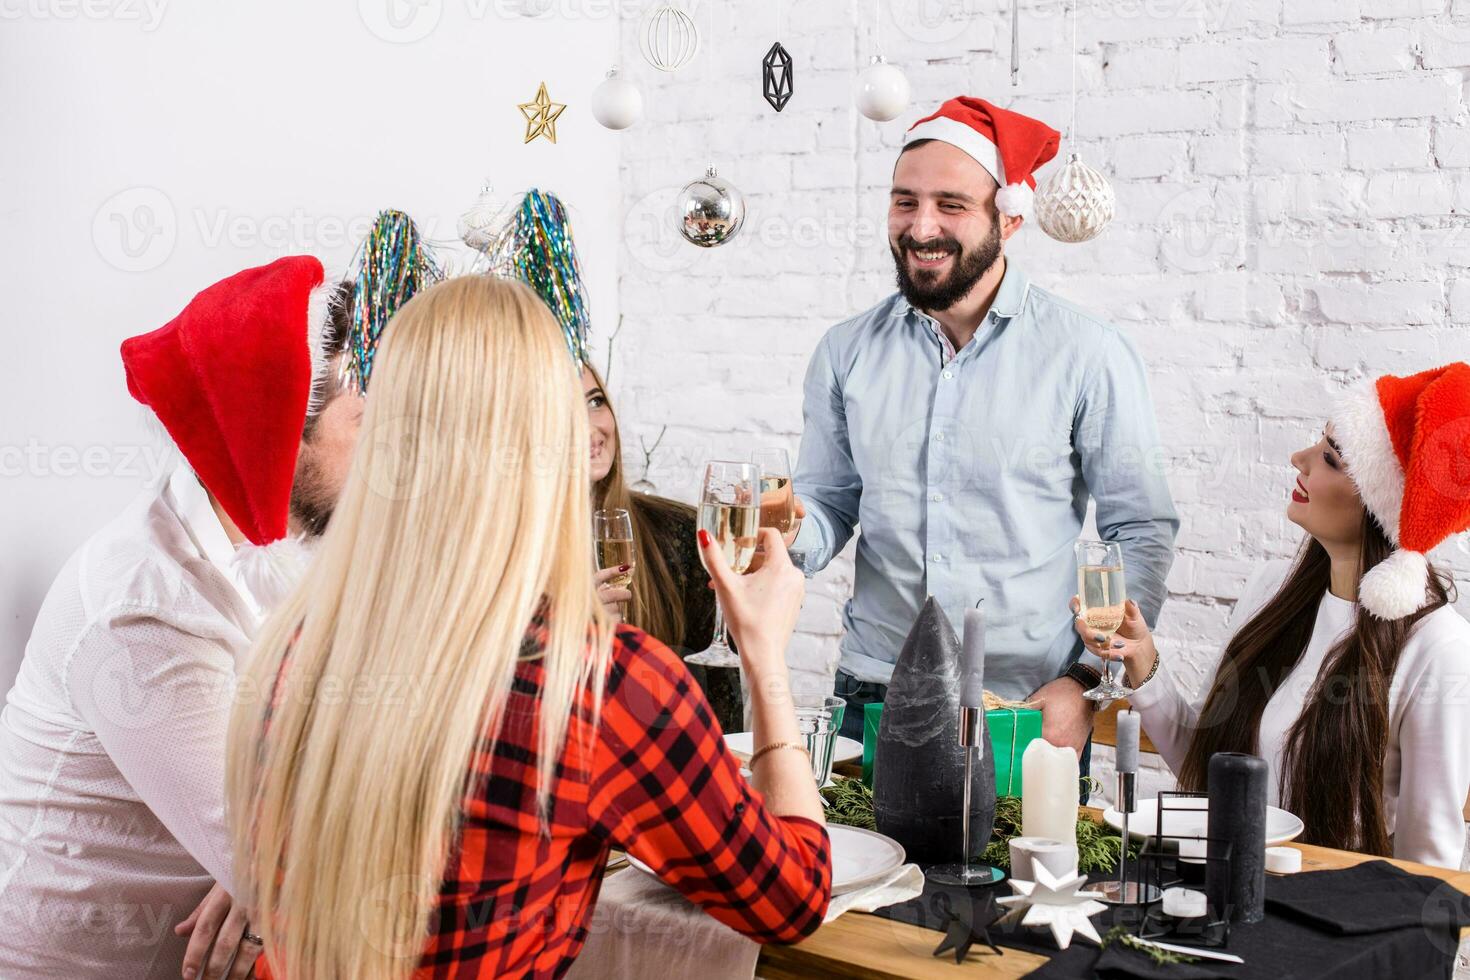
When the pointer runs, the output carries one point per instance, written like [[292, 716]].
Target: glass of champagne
[[1102, 596], [612, 534], [729, 509], [778, 502]]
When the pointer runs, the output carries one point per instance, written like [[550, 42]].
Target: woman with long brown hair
[[669, 597], [452, 733], [1347, 669]]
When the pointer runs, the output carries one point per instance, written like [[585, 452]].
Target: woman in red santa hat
[[1346, 671], [112, 747]]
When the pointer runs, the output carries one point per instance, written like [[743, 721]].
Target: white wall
[[1292, 180], [238, 132]]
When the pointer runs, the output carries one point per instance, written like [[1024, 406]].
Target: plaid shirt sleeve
[[666, 789]]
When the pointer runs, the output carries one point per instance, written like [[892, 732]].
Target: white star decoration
[[1058, 904]]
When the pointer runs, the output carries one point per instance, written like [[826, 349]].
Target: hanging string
[[878, 27], [1072, 127]]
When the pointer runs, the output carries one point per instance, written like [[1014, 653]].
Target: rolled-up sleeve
[[667, 790], [827, 480]]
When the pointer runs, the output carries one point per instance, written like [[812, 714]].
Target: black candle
[[1237, 792]]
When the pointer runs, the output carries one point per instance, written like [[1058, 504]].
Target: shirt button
[[936, 557], [948, 375], [939, 437], [937, 497]]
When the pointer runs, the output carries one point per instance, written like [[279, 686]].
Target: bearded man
[[112, 741], [965, 421]]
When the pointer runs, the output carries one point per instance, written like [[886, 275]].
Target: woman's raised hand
[[761, 606], [1133, 644]]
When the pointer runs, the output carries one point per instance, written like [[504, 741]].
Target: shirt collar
[[195, 512]]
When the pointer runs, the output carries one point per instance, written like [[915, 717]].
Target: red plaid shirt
[[654, 778]]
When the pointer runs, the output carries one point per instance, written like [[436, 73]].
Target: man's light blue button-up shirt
[[969, 477]]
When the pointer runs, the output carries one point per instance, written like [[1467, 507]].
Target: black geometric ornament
[[963, 931], [776, 76]]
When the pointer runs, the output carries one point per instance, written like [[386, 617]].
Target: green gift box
[[1011, 730]]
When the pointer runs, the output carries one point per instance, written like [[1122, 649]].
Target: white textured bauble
[[617, 103], [668, 38], [481, 222], [1075, 204], [882, 91], [711, 210]]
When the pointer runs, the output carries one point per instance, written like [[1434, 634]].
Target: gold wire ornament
[[541, 114]]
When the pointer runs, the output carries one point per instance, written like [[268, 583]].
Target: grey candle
[[1237, 792], [1127, 741], [972, 661]]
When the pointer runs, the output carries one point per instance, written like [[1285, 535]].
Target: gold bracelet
[[750, 763]]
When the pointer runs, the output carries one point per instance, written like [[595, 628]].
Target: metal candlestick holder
[[1211, 930], [1123, 891], [966, 873]]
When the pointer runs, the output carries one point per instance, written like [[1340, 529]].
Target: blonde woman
[[464, 832]]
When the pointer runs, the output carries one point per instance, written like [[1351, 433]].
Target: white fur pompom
[[271, 571], [1015, 199], [1396, 586]]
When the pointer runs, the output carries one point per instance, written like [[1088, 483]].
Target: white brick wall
[[1292, 180]]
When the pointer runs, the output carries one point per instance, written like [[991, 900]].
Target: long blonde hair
[[466, 509], [658, 598]]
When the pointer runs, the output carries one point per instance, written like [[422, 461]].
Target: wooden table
[[866, 947]]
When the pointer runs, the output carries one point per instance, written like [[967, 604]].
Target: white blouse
[[112, 822], [1427, 763]]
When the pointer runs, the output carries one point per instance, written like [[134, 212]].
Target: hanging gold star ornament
[[541, 115]]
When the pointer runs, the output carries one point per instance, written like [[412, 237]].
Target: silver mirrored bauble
[[711, 210]]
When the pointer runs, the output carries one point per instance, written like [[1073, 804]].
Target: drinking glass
[[819, 724], [612, 534], [1102, 597], [729, 510], [778, 502]]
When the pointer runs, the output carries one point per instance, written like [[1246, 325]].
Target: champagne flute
[[778, 501], [612, 534], [729, 509], [1102, 596]]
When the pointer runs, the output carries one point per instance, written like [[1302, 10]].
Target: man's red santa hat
[[231, 379], [1406, 442], [1010, 146]]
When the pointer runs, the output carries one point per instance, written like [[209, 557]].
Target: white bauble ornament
[[1075, 204], [882, 90], [711, 210], [668, 38], [481, 222], [617, 103]]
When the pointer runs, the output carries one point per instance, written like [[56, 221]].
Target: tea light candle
[[1184, 903], [1283, 860], [972, 661], [1192, 851], [1057, 857], [1049, 789]]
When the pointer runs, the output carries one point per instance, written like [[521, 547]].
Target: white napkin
[[642, 927], [904, 883]]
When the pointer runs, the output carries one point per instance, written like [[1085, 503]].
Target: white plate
[[1280, 825], [859, 858], [846, 749]]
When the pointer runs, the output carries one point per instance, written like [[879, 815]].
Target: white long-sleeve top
[[1426, 766], [112, 823]]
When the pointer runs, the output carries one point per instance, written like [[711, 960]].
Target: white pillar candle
[[1057, 857], [1127, 739], [1049, 791], [1184, 903], [972, 662]]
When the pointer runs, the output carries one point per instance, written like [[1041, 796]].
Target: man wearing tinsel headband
[[112, 751], [963, 423]]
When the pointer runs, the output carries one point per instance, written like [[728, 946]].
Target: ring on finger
[[250, 937]]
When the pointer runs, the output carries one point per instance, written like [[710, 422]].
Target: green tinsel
[[537, 248], [396, 263]]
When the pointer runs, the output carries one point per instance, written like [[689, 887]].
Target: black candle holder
[[1211, 930]]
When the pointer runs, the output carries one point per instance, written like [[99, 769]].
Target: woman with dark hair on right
[[1347, 670]]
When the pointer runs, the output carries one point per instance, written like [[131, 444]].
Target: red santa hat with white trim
[[1406, 442], [1010, 146], [231, 378]]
